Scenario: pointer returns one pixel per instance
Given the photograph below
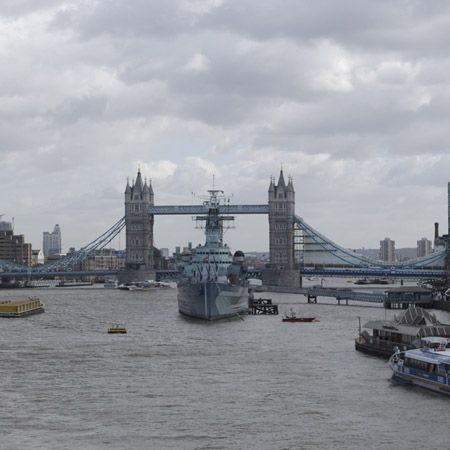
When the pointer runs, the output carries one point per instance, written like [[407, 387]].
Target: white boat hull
[[420, 378]]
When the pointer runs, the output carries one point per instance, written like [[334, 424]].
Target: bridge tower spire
[[283, 269], [139, 230], [281, 223]]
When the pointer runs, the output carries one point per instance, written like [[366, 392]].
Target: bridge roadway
[[306, 271], [80, 273], [372, 272]]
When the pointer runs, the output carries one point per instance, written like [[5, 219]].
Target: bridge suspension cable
[[9, 266], [70, 260], [97, 244], [347, 257]]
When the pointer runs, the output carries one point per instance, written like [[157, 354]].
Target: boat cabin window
[[421, 365]]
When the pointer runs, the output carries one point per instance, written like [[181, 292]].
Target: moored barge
[[20, 308], [404, 332]]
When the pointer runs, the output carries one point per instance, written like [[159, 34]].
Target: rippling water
[[172, 383]]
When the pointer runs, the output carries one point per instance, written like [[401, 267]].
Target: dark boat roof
[[416, 315]]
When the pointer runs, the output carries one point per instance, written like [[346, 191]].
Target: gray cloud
[[74, 109], [350, 96], [17, 8]]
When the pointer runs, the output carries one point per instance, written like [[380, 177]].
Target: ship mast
[[213, 222]]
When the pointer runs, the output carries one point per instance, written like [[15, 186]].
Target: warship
[[212, 285]]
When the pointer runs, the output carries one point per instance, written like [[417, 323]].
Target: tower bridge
[[296, 248]]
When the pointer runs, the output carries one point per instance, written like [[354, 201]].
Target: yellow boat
[[19, 308], [117, 329]]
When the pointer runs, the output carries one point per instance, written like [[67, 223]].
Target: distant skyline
[[351, 98]]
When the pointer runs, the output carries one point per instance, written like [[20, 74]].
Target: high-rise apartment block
[[423, 247], [387, 250], [51, 243]]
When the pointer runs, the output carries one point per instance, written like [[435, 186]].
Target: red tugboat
[[291, 316]]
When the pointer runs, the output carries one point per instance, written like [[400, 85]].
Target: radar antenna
[[214, 221]]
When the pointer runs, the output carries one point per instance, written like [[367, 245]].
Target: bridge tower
[[283, 270], [139, 262]]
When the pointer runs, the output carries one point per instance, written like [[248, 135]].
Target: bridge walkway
[[339, 294], [399, 298]]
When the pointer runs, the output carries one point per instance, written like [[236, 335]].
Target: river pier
[[390, 298]]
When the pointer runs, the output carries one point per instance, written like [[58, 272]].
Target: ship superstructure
[[213, 285]]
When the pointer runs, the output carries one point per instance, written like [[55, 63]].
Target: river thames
[[173, 383]]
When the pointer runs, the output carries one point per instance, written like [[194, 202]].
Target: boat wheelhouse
[[404, 332], [427, 367]]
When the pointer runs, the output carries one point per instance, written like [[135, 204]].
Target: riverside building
[[14, 248], [105, 259]]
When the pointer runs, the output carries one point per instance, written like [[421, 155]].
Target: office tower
[[51, 242]]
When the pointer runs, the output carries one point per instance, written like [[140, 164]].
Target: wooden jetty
[[262, 306]]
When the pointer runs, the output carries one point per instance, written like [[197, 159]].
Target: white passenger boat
[[111, 284], [146, 285], [427, 367]]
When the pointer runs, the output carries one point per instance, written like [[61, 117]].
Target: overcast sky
[[352, 98]]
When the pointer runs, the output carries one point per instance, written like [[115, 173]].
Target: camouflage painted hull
[[211, 300]]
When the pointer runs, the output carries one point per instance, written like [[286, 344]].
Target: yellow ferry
[[20, 308], [117, 329]]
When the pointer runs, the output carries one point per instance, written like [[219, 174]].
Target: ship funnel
[[239, 257]]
